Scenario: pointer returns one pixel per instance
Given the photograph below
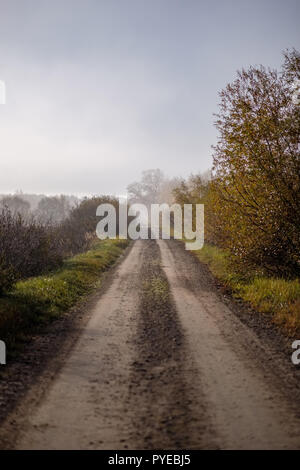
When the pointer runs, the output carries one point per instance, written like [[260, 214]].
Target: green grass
[[36, 301], [278, 298], [157, 288]]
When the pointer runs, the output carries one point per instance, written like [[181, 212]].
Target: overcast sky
[[98, 90]]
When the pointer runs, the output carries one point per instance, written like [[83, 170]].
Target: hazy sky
[[98, 90]]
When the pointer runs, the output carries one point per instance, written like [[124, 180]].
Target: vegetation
[[157, 288], [277, 297], [252, 204], [31, 246], [16, 205], [257, 169], [48, 260], [37, 300], [153, 188], [44, 208], [53, 209], [27, 248], [252, 213]]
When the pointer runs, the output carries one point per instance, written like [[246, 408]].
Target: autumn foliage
[[252, 204]]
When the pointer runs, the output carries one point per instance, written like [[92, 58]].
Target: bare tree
[[53, 209], [147, 190], [16, 205]]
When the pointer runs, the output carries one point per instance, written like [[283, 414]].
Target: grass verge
[[278, 298], [36, 301]]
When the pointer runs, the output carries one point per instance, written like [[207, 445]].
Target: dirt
[[251, 389], [166, 416], [158, 358]]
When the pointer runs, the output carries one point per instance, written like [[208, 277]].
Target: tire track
[[162, 363], [249, 404], [161, 379]]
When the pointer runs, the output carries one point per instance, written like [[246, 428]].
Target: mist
[[98, 91]]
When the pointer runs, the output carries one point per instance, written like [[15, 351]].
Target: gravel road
[[162, 362]]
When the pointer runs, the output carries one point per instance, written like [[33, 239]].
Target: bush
[[36, 301], [27, 248], [7, 277], [30, 247], [276, 297], [252, 204], [257, 169], [77, 231]]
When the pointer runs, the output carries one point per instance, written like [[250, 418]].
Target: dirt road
[[163, 362]]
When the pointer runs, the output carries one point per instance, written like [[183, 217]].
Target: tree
[[148, 189], [79, 228], [197, 190], [257, 168], [16, 205], [53, 209]]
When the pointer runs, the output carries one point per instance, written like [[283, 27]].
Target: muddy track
[[162, 360], [250, 387], [162, 377]]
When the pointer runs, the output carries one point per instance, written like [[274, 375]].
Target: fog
[[97, 91]]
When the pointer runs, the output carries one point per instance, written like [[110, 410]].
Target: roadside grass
[[36, 301], [275, 297], [157, 288]]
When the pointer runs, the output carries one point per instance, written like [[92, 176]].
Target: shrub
[[27, 248], [257, 169], [252, 204], [30, 247]]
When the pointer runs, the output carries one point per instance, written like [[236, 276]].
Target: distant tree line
[[47, 209]]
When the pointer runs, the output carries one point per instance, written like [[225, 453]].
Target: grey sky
[[98, 90]]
